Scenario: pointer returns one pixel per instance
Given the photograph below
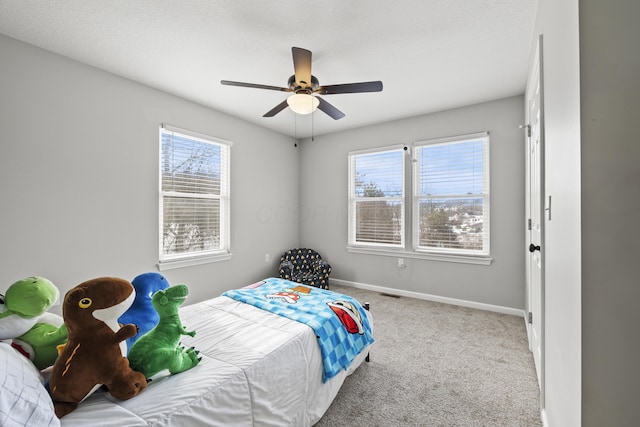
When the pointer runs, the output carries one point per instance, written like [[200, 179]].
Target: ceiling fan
[[306, 88]]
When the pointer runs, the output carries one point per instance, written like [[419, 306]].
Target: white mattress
[[257, 369]]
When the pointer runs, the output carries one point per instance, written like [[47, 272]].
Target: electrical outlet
[[401, 262], [267, 258]]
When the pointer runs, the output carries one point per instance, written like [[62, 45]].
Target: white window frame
[[223, 252], [483, 195], [354, 200], [409, 247]]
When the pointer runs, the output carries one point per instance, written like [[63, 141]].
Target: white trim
[[446, 300], [527, 327], [459, 138], [191, 134], [383, 149], [188, 262], [463, 259], [543, 417]]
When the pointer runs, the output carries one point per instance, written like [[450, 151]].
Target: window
[[451, 196], [440, 210], [377, 198], [194, 198]]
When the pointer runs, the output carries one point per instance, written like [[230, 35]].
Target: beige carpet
[[435, 364]]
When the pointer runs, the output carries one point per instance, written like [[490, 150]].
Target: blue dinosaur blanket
[[339, 321]]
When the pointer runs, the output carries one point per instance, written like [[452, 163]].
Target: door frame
[[536, 65]]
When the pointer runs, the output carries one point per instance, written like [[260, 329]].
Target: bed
[[258, 368]]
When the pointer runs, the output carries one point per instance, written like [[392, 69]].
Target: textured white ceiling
[[431, 55]]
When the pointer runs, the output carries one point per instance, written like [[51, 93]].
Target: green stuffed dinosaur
[[40, 343], [24, 320], [23, 303], [160, 348]]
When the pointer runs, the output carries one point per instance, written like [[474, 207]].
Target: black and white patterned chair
[[305, 266]]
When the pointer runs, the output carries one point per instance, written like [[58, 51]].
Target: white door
[[535, 212]]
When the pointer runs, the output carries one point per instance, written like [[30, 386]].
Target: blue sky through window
[[445, 169], [382, 171], [451, 168]]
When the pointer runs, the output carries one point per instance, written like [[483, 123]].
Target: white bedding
[[257, 369], [23, 399]]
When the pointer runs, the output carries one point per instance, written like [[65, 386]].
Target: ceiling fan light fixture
[[302, 103]]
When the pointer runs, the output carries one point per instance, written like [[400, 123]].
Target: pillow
[[23, 401]]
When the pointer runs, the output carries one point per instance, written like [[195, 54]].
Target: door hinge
[[529, 224], [530, 317], [528, 128]]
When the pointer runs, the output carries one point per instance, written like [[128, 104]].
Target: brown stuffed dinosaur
[[93, 355]]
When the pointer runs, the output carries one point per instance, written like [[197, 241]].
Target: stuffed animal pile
[[113, 334]]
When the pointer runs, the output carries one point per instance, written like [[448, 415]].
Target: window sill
[[189, 262], [464, 259]]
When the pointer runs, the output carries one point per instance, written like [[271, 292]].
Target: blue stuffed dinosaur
[[142, 313]]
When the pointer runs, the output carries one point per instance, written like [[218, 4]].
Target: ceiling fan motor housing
[[303, 87]]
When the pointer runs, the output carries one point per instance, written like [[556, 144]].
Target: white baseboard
[[435, 298]]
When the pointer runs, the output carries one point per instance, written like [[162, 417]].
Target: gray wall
[[79, 177], [610, 106], [323, 223]]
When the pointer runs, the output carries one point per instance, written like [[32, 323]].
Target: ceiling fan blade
[[275, 110], [329, 109], [302, 66], [255, 86], [350, 88]]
